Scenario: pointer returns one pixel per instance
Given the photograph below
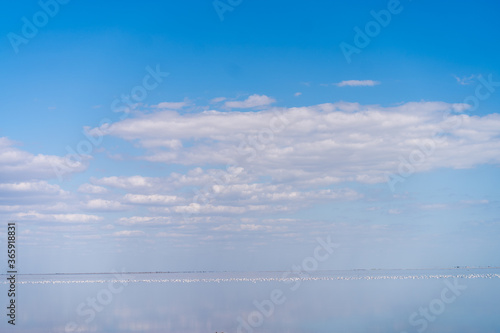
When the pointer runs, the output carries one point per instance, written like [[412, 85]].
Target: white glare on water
[[257, 277]]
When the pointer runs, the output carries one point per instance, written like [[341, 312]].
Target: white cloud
[[171, 105], [64, 218], [153, 199], [19, 165], [172, 144], [254, 227], [145, 220], [358, 83], [215, 192], [10, 208], [83, 237], [172, 235], [465, 80], [251, 102], [33, 195], [30, 188], [297, 94], [91, 189], [105, 205], [217, 100], [127, 183], [475, 202], [260, 194], [67, 228], [129, 233], [195, 208], [321, 144], [434, 206], [200, 177]]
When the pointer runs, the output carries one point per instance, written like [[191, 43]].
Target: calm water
[[452, 300]]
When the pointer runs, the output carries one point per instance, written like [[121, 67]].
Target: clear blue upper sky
[[231, 65]]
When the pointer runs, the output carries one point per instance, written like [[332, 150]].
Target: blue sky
[[262, 137]]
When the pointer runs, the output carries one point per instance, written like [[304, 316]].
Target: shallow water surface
[[440, 300]]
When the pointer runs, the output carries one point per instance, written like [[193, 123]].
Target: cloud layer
[[322, 144], [358, 83], [245, 174]]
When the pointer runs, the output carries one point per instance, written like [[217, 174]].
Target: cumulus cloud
[[129, 233], [321, 144], [145, 221], [153, 199], [19, 165], [32, 195], [91, 189], [62, 218], [196, 208], [171, 105], [251, 102], [246, 166], [105, 205], [216, 192], [357, 83], [30, 188], [258, 193], [127, 183]]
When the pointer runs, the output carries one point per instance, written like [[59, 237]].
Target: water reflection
[[326, 301]]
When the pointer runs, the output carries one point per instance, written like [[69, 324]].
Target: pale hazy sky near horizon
[[183, 135]]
